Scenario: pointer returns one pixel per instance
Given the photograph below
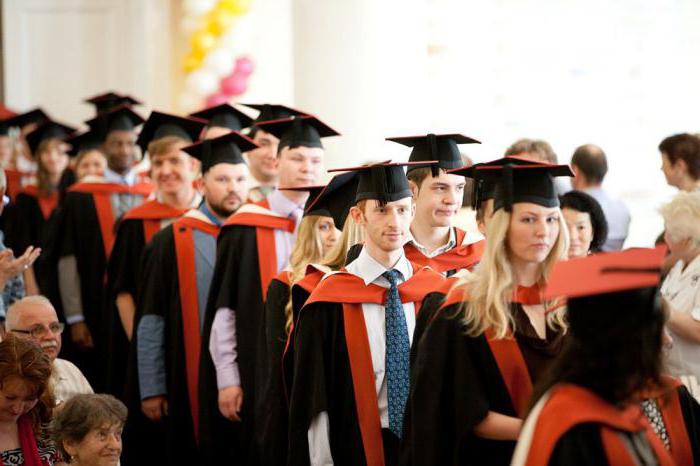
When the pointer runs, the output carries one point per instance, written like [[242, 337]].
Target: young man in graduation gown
[[262, 160], [353, 337], [173, 172], [222, 119], [86, 236], [171, 303], [253, 247], [434, 241]]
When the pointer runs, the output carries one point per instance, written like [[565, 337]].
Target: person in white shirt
[[590, 166], [35, 318], [681, 288]]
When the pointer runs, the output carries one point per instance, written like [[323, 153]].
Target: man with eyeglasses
[[34, 317]]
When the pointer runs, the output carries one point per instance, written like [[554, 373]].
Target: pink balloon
[[244, 65], [235, 84], [217, 99]]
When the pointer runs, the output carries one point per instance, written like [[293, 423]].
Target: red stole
[[27, 442], [47, 204], [186, 274], [506, 352], [459, 257], [354, 294], [152, 213], [265, 225], [101, 197], [571, 405]]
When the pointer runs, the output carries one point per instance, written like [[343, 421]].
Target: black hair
[[685, 147], [582, 202], [613, 347]]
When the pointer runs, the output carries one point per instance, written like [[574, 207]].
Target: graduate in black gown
[[353, 336], [438, 195], [30, 214], [177, 270], [325, 213], [605, 401], [107, 101], [173, 172], [253, 247], [482, 352], [86, 235]]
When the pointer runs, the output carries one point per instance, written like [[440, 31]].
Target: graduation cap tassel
[[434, 168], [508, 186], [476, 193], [206, 153], [379, 182]]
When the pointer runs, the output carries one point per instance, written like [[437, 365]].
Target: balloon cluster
[[216, 70]]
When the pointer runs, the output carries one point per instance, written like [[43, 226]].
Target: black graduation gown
[[323, 376], [583, 444], [440, 416], [237, 285], [30, 221]]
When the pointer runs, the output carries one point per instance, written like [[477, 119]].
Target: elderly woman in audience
[[25, 404], [88, 430], [585, 221], [681, 289]]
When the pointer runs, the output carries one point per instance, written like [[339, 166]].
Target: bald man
[[35, 318]]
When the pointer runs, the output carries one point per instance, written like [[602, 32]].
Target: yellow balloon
[[203, 41], [235, 7], [219, 22], [192, 62]]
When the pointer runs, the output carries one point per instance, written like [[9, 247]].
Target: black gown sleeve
[[580, 446], [123, 268], [447, 397]]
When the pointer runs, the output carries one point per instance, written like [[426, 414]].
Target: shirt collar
[[113, 177], [451, 243], [204, 208], [280, 205], [369, 270]]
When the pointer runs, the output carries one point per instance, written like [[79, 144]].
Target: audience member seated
[[680, 161], [586, 222]]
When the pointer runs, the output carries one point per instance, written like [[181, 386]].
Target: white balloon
[[198, 7], [220, 62], [202, 82]]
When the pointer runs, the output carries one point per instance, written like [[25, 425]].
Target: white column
[[359, 65]]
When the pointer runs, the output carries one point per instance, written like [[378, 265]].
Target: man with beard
[[177, 275], [35, 318], [86, 235]]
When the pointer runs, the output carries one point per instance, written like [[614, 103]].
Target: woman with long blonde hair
[[491, 339], [317, 237]]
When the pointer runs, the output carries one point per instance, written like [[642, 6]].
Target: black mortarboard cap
[[269, 112], [160, 125], [36, 115], [109, 100], [440, 147], [4, 129], [333, 200], [224, 149], [224, 116], [121, 118], [515, 179], [384, 182], [84, 141], [298, 131], [47, 130]]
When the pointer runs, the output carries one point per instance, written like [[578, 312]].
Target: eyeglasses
[[39, 330]]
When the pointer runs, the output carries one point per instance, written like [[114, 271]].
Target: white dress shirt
[[681, 289], [67, 381], [451, 243], [370, 271]]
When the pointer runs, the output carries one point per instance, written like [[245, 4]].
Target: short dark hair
[[590, 160], [684, 147], [418, 175], [84, 413], [537, 147], [582, 202]]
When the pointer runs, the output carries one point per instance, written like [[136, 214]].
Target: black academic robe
[[86, 231], [169, 290], [30, 221], [125, 275], [246, 263], [576, 427], [333, 369], [476, 375]]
